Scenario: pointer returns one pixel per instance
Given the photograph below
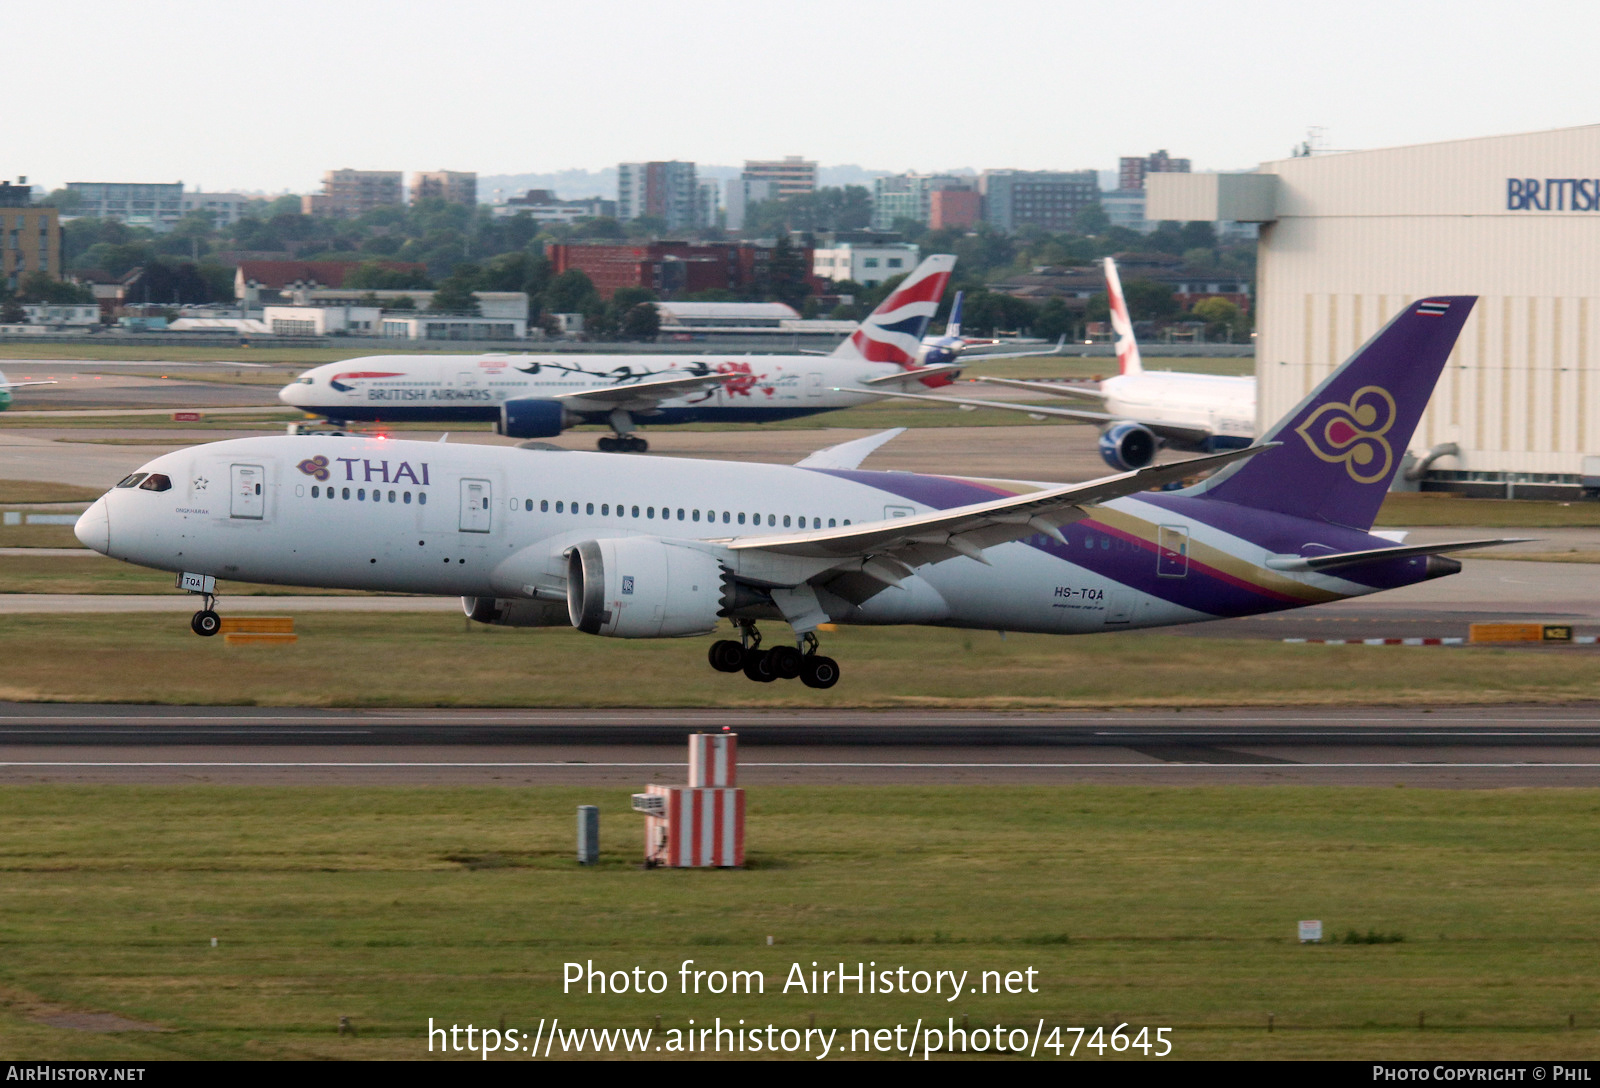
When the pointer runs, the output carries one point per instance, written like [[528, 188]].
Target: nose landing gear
[[813, 669]]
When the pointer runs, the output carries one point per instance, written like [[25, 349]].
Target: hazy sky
[[268, 96]]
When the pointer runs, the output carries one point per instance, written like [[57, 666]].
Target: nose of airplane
[[293, 394], [94, 527]]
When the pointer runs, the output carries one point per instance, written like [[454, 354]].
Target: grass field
[[1165, 907], [1417, 509], [355, 659], [97, 574], [16, 491]]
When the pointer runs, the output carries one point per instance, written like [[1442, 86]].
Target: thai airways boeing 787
[[647, 547]]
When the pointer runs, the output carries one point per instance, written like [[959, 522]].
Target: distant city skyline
[[229, 98]]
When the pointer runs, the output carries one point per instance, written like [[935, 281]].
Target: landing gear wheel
[[608, 444], [205, 622], [758, 666], [632, 443], [817, 671], [726, 655], [785, 662]]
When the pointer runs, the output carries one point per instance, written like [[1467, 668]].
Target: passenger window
[[635, 511], [650, 512], [561, 507], [157, 482], [696, 515], [131, 481], [830, 523], [315, 494], [772, 519], [680, 513], [527, 506], [741, 518], [347, 492], [408, 498], [588, 509], [725, 517], [605, 509], [422, 498], [361, 494], [544, 506], [391, 498]]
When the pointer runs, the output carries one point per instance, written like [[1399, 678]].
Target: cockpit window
[[307, 380], [156, 482], [132, 480]]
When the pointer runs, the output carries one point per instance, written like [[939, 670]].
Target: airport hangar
[[1347, 239]]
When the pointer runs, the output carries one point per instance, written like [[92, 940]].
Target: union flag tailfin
[[893, 332], [1341, 446], [1128, 361]]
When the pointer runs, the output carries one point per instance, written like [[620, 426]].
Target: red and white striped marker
[[1379, 641], [713, 759], [700, 828]]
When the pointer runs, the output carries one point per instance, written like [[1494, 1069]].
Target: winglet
[[848, 455]]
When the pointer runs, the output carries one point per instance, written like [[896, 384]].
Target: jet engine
[[642, 587], [514, 611], [1127, 446], [533, 417]]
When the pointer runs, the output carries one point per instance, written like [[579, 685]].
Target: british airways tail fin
[[1128, 361], [1339, 449], [893, 332], [952, 328]]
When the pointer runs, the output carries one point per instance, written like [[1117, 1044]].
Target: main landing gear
[[206, 621], [779, 663], [623, 443], [624, 440]]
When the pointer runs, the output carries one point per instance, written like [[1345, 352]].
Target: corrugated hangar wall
[[1514, 220]]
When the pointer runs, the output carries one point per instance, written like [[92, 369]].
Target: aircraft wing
[[19, 385], [1051, 389], [1175, 431], [849, 454], [640, 396], [1373, 555], [887, 550]]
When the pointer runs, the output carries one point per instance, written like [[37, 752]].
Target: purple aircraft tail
[[1339, 449]]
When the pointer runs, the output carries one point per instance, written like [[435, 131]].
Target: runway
[[1482, 747]]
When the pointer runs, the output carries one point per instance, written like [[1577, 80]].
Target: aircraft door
[[477, 506], [814, 384], [1172, 557], [248, 494]]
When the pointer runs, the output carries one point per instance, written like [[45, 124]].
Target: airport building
[[868, 264], [1348, 239]]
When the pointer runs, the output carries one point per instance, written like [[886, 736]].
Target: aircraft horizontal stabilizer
[[1375, 555], [848, 455], [967, 530], [1053, 349], [19, 385], [904, 377]]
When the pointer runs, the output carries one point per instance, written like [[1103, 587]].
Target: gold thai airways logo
[[1353, 434]]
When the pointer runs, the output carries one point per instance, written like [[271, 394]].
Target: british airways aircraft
[[1141, 410], [539, 396], [666, 547]]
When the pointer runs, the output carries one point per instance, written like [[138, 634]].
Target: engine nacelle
[[515, 611], [1127, 446], [642, 587], [533, 417]]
